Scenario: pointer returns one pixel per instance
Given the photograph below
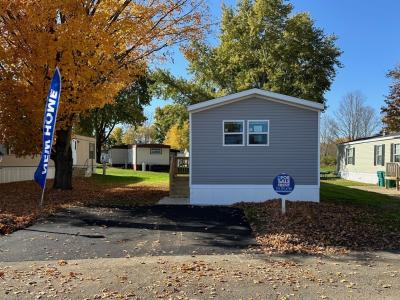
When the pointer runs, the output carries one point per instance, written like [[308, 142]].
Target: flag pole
[[49, 125], [42, 198]]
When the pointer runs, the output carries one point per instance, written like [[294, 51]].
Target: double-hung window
[[350, 153], [233, 133], [258, 133], [396, 152], [92, 151], [379, 155]]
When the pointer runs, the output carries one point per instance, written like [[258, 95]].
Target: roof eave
[[289, 100]]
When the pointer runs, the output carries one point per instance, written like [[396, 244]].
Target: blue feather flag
[[49, 125]]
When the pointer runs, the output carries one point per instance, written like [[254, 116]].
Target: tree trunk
[[62, 157], [99, 145]]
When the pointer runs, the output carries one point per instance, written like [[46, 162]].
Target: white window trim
[[348, 151], [224, 133], [155, 148], [394, 152], [379, 163], [264, 132]]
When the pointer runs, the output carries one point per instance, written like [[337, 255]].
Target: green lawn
[[333, 190], [344, 182], [339, 191], [129, 176], [328, 169]]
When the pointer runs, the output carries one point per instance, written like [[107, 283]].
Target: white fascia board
[[289, 100], [376, 139]]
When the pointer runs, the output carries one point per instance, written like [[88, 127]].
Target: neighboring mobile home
[[156, 157], [13, 168], [359, 160], [240, 142]]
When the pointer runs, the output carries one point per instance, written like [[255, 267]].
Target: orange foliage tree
[[178, 136], [100, 47]]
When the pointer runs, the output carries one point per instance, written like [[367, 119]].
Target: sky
[[368, 35]]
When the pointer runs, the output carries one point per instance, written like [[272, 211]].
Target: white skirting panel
[[229, 194], [14, 174], [360, 177]]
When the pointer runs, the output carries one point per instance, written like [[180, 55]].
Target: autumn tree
[[116, 136], [391, 112], [144, 134], [167, 116], [127, 109], [178, 136], [100, 47]]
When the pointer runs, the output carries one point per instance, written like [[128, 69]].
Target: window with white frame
[[396, 152], [350, 156], [233, 133], [156, 151], [258, 133]]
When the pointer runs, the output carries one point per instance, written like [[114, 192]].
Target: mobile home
[[154, 157], [239, 143], [361, 159], [13, 168]]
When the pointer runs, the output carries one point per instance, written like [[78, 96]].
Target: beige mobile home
[[13, 168], [359, 160], [154, 156]]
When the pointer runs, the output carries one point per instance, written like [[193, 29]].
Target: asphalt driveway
[[82, 233]]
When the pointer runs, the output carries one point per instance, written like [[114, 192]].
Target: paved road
[[81, 233], [357, 276]]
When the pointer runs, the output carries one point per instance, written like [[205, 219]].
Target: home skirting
[[229, 194]]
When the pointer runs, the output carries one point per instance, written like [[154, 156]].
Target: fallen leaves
[[318, 228], [62, 262], [19, 200]]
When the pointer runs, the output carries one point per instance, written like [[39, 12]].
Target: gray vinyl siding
[[293, 145]]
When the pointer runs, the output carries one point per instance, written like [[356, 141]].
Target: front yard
[[346, 219], [19, 200]]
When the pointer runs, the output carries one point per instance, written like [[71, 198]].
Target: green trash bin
[[391, 183], [381, 178]]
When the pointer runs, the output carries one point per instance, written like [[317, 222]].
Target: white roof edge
[[237, 96], [372, 139]]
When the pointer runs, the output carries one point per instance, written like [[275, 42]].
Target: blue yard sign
[[49, 125], [283, 184]]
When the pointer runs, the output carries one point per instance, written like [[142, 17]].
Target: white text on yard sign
[[283, 184]]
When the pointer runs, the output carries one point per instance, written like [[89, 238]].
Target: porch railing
[[392, 173], [179, 166], [392, 170]]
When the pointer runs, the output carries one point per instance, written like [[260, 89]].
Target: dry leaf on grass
[[19, 200], [318, 228]]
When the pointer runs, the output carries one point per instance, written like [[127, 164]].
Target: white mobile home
[[361, 159], [13, 168], [156, 157], [240, 142]]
